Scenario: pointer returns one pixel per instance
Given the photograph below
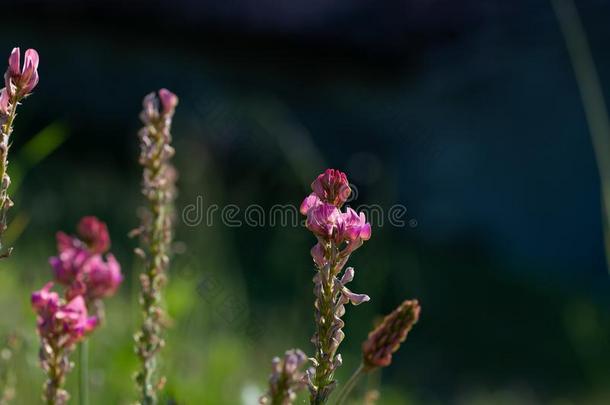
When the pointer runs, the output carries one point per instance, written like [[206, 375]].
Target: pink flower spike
[[14, 62], [311, 201], [94, 233], [169, 101]]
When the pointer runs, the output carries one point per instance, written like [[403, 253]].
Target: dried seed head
[[386, 338]]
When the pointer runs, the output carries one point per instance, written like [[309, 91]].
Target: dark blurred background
[[466, 112]]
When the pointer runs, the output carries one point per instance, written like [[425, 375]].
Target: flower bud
[[332, 187], [94, 233], [20, 82]]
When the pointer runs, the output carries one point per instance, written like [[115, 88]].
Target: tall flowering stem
[[155, 231], [64, 322], [339, 234], [19, 83]]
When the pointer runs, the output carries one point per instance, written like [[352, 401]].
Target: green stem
[[83, 373], [350, 384], [593, 101], [6, 130]]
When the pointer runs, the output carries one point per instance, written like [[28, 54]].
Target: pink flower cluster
[[19, 81], [325, 219], [62, 323], [81, 267]]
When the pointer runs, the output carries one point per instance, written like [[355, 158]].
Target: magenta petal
[[31, 59], [14, 62], [169, 100], [44, 298], [355, 299], [311, 201], [365, 232]]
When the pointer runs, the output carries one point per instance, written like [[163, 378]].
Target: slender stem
[[324, 352], [83, 373], [350, 384], [6, 130], [593, 101]]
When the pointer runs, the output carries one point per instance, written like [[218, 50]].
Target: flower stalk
[[339, 234], [83, 372], [156, 233], [349, 385], [19, 83], [64, 322]]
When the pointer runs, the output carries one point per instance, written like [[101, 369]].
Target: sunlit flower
[[354, 226], [311, 201], [20, 82], [324, 220]]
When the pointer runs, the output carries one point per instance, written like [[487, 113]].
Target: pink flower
[[67, 323], [332, 187], [94, 233], [102, 278], [169, 101], [73, 320], [317, 253], [65, 242], [44, 301], [354, 226], [324, 220], [68, 265], [311, 201], [21, 82]]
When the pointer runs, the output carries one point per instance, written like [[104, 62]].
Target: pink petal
[[169, 100], [31, 59], [311, 201], [14, 62]]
